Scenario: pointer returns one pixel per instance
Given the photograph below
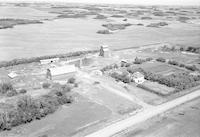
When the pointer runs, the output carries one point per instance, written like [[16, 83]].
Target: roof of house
[[63, 70], [105, 46], [12, 74], [138, 75]]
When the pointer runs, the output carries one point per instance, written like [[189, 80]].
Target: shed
[[12, 74], [63, 72]]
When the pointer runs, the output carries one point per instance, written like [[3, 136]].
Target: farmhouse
[[12, 75], [47, 61], [138, 77], [63, 72]]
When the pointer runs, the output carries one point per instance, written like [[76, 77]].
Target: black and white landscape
[[99, 70]]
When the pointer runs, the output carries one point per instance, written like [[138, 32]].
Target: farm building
[[76, 62], [104, 51], [138, 77], [47, 61], [12, 75], [62, 72]]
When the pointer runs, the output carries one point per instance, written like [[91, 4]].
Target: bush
[[127, 64], [104, 32], [161, 59], [22, 91], [149, 59], [5, 87], [138, 61], [76, 85], [115, 66], [71, 80], [181, 65], [66, 88], [99, 16], [46, 85], [191, 67], [172, 62], [11, 93], [28, 109], [124, 77]]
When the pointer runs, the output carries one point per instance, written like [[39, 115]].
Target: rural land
[[99, 70]]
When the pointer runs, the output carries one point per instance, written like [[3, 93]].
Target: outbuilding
[[63, 72], [48, 61]]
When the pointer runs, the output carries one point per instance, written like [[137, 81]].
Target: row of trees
[[176, 48], [28, 109], [37, 59], [175, 63], [180, 81], [124, 77], [188, 67], [140, 61], [125, 64]]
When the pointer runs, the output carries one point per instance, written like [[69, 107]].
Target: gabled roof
[[105, 46], [12, 74], [63, 70]]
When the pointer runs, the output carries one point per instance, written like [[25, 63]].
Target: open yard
[[101, 94]]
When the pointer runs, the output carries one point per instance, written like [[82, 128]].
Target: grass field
[[80, 33], [65, 122]]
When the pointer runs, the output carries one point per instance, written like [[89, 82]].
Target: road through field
[[142, 116]]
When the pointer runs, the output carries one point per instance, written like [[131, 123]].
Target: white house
[[63, 71], [12, 74], [47, 61], [138, 77]]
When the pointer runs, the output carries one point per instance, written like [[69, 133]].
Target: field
[[160, 68], [145, 95], [68, 33], [157, 88]]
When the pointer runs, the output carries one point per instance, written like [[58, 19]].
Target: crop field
[[157, 88], [158, 68]]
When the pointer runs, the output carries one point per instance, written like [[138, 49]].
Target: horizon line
[[89, 2]]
